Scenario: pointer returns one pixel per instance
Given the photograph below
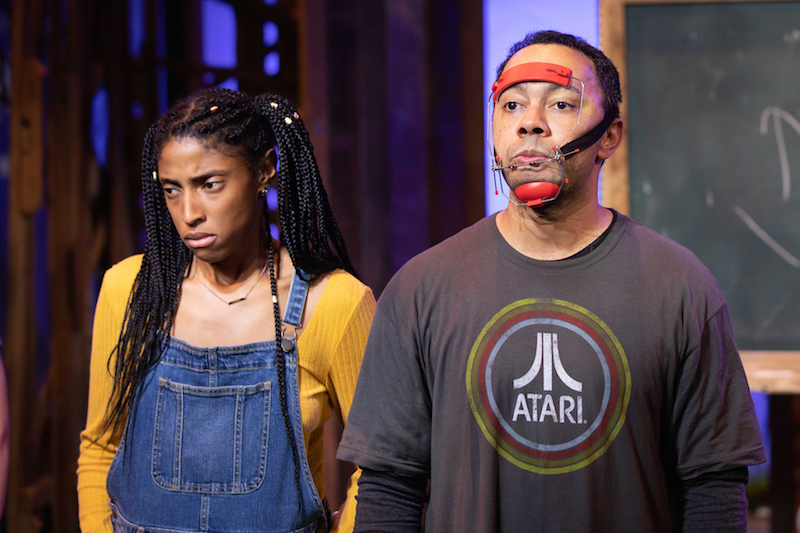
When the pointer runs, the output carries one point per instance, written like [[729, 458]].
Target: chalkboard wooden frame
[[774, 372]]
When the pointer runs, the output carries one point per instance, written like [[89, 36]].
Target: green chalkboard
[[714, 150]]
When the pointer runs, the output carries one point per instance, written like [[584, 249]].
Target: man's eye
[[211, 184], [563, 105], [511, 106]]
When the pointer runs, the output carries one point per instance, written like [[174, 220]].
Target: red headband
[[531, 72]]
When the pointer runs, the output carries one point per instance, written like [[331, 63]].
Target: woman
[[227, 351]]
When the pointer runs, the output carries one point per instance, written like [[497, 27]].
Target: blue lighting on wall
[[272, 199], [270, 33], [230, 83], [272, 63], [219, 34], [136, 31], [99, 126]]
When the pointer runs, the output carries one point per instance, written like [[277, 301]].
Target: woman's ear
[[268, 168]]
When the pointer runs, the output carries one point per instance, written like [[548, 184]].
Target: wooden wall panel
[[21, 342], [392, 95], [406, 120]]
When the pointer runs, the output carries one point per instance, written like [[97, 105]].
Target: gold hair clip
[[213, 108], [287, 120], [273, 104], [155, 175]]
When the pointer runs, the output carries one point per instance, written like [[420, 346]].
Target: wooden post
[[25, 198], [68, 231]]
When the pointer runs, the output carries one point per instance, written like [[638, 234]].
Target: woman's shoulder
[[343, 287], [340, 296], [121, 276]]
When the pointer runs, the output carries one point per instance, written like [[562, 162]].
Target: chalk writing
[[778, 117]]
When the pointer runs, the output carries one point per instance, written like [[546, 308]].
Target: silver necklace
[[220, 298]]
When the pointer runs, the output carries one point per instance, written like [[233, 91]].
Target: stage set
[[394, 95]]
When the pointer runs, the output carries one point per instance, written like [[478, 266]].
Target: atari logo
[[540, 407]]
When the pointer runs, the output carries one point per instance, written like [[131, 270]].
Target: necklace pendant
[[236, 301]]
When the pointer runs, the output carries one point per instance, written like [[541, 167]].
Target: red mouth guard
[[537, 192]]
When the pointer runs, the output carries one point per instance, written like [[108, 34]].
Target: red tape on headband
[[531, 72]]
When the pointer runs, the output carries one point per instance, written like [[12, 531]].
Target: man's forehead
[[567, 60], [576, 61]]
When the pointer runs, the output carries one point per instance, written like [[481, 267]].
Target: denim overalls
[[208, 448]]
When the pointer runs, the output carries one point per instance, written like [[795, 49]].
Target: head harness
[[535, 194]]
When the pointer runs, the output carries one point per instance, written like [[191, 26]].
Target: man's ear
[[611, 140]]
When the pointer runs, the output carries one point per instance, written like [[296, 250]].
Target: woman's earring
[[264, 191]]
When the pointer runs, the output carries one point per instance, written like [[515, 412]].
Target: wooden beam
[[772, 372]]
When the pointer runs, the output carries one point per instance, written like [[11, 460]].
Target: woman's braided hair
[[230, 121]]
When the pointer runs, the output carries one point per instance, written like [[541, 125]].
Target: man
[[557, 367]]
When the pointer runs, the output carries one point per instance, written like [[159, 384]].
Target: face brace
[[536, 194]]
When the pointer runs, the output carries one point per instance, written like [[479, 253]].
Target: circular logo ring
[[579, 451]]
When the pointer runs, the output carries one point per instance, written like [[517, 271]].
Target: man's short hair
[[605, 70]]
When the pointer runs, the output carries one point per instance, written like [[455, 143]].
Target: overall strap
[[293, 314]]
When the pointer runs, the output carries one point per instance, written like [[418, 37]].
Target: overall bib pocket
[[210, 439]]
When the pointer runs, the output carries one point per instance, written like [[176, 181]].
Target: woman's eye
[[212, 184], [169, 191], [511, 106], [563, 106]]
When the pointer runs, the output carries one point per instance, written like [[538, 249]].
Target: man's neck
[[550, 234]]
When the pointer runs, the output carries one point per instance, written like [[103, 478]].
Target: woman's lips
[[198, 240]]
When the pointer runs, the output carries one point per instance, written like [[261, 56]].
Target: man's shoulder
[[450, 255], [471, 240], [667, 256], [442, 268]]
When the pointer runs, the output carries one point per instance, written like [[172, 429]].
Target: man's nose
[[533, 122]]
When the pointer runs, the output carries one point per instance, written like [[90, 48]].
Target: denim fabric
[[208, 451]]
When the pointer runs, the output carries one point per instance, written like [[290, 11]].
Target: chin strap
[[587, 139]]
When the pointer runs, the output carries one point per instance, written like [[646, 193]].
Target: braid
[[153, 299], [280, 358], [308, 227]]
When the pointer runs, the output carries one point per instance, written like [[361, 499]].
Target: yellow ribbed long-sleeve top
[[330, 351]]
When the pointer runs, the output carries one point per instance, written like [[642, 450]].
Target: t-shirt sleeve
[[713, 424], [390, 420]]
